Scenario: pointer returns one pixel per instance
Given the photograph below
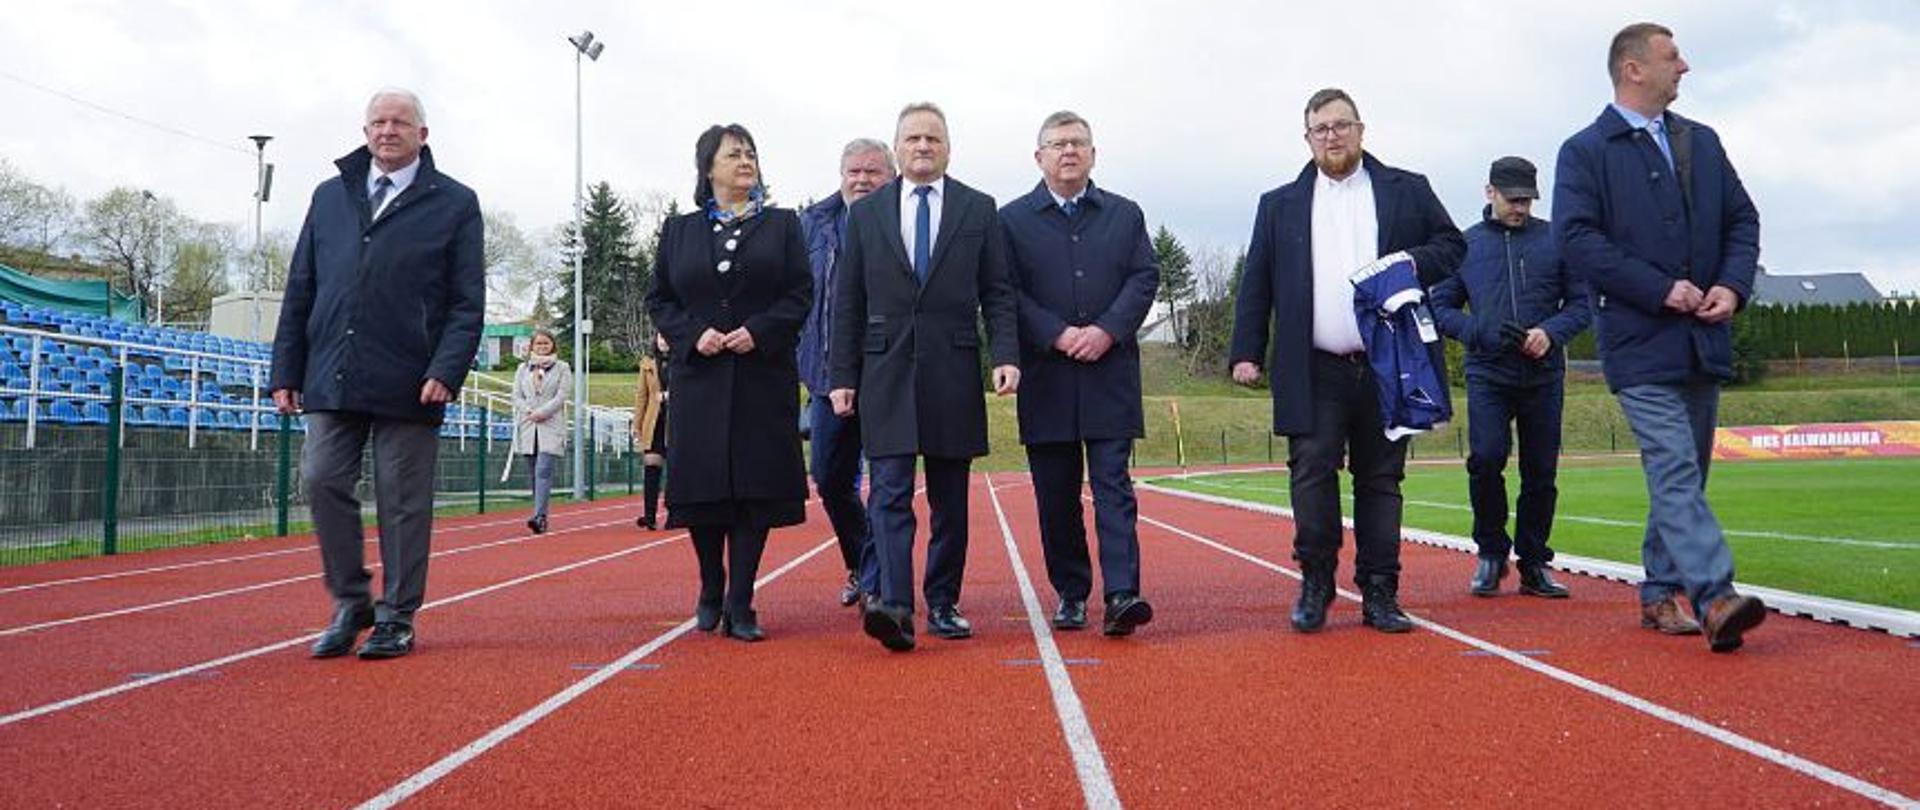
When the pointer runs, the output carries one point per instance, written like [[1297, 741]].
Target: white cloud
[[1196, 105]]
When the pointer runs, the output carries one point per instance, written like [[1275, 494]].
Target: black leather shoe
[[389, 640], [850, 592], [345, 629], [1380, 605], [1071, 615], [538, 524], [743, 625], [706, 616], [1535, 581], [946, 622], [893, 626], [1316, 593], [644, 522], [1125, 612], [1487, 576]]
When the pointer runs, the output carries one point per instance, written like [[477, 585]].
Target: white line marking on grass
[[175, 674], [448, 764], [1599, 521], [1096, 784], [303, 548], [28, 628], [1748, 745]]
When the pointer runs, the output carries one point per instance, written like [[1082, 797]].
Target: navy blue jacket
[[1512, 274], [373, 309], [1630, 230], [1095, 269], [821, 223], [1277, 288]]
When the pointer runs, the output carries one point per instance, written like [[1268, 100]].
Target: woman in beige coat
[[650, 427], [539, 427]]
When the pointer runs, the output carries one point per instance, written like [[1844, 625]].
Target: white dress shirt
[[1346, 235], [400, 180], [910, 205]]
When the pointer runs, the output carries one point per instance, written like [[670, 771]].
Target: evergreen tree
[[611, 265], [1176, 278]]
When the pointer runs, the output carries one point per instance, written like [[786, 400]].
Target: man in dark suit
[[1647, 208], [923, 262], [1086, 278], [1344, 210], [384, 303]]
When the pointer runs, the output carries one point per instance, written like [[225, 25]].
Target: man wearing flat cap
[[1514, 305]]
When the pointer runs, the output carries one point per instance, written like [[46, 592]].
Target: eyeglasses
[[1063, 144], [1326, 131]]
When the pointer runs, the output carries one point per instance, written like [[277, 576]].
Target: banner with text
[[1836, 440]]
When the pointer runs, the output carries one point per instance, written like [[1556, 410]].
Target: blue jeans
[[1684, 548], [836, 476]]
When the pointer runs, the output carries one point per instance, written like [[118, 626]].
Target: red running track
[[562, 670]]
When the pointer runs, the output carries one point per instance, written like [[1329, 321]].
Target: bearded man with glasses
[[1343, 211]]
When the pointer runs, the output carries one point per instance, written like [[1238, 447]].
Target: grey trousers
[[542, 464], [404, 459], [1684, 547]]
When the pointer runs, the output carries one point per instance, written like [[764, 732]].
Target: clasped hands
[[713, 341], [1716, 305], [1086, 344]]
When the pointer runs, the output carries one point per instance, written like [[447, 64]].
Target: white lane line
[[1748, 745], [452, 762], [1096, 783], [163, 677], [1600, 521], [201, 597], [303, 548]]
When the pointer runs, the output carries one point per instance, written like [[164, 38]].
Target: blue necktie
[[1070, 208], [381, 186], [1659, 130], [922, 235]]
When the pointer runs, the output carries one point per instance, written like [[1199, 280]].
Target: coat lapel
[[953, 209], [1386, 203], [890, 223]]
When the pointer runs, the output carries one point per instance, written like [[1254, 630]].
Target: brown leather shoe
[[1667, 617], [1730, 616]]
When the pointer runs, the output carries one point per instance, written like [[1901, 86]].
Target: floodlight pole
[[259, 246], [583, 48]]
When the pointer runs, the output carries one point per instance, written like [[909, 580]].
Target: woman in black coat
[[731, 289]]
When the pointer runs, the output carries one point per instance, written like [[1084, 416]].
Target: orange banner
[[1833, 440]]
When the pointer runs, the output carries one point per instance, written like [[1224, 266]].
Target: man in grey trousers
[[384, 304]]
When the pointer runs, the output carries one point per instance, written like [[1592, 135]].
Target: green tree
[[611, 271], [1176, 279]]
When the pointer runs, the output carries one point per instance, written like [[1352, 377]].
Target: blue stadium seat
[[177, 417], [174, 362], [172, 386], [70, 375], [7, 410], [94, 413], [58, 359], [153, 415], [98, 377], [64, 412], [231, 421]]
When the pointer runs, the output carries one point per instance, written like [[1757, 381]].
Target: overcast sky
[[1195, 104]]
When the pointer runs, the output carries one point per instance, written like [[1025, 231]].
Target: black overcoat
[[913, 353], [1277, 288], [733, 426]]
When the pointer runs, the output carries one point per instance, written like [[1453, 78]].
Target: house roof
[[1813, 288]]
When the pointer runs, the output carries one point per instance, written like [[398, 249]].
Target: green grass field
[[1845, 528]]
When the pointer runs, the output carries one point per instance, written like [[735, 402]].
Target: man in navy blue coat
[[865, 165], [1085, 275], [1344, 210], [1524, 307], [384, 304], [1649, 211]]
